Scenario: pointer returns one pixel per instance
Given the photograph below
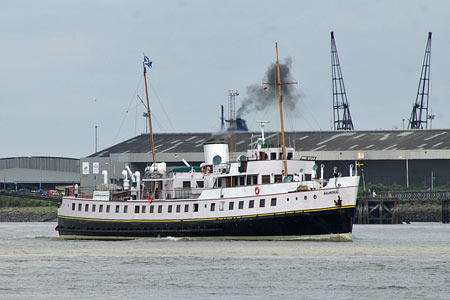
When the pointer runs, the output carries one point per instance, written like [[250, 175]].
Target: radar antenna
[[262, 124]]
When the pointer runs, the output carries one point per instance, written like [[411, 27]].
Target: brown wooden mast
[[152, 195], [149, 115], [280, 96]]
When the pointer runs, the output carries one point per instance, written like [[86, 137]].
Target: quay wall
[[26, 214]]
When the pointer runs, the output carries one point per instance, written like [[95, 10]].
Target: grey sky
[[67, 66]]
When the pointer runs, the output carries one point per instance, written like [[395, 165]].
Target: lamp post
[[96, 138], [407, 174]]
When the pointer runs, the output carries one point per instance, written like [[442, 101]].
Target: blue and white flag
[[147, 62]]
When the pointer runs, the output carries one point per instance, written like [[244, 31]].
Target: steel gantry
[[419, 115], [342, 119]]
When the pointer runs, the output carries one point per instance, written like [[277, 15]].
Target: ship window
[[251, 203], [278, 178], [273, 156], [186, 208], [100, 208], [152, 209], [231, 205], [107, 208], [221, 205], [186, 184], [255, 179], [73, 206], [79, 207], [136, 209], [308, 177], [200, 184], [93, 207], [86, 207], [306, 197], [213, 206], [315, 196], [143, 209], [265, 179], [117, 208], [249, 180], [241, 204], [196, 207], [289, 155], [262, 155], [227, 181], [273, 202], [178, 208], [234, 181], [169, 209], [262, 202], [219, 182], [125, 209], [159, 209], [241, 180]]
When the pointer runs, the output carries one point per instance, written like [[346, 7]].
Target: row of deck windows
[[142, 209], [233, 181]]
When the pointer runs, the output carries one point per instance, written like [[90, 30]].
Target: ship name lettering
[[331, 192]]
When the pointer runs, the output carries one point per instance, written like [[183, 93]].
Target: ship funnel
[[216, 152]]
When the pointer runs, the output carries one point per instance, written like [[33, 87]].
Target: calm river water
[[382, 262]]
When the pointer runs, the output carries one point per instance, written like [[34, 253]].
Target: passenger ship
[[266, 193]]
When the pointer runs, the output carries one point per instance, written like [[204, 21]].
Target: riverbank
[[28, 214]]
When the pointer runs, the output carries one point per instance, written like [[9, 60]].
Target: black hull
[[333, 221]]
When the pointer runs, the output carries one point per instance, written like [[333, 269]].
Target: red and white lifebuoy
[[257, 190]]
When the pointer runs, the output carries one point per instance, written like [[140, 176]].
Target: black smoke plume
[[258, 98]]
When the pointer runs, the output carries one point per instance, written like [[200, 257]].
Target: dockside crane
[[419, 115], [342, 120]]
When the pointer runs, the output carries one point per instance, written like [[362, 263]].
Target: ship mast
[[149, 115], [280, 96]]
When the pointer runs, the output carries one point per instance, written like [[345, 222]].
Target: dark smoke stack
[[258, 98]]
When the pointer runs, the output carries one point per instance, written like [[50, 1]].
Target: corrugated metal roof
[[433, 139]]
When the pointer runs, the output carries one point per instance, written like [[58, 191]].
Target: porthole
[[315, 196], [306, 197], [287, 199], [296, 198]]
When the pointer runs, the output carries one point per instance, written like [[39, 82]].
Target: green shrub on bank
[[378, 188], [10, 201]]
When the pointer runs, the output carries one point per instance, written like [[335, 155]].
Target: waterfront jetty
[[371, 210], [394, 207]]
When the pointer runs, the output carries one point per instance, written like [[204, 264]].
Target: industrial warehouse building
[[404, 157], [38, 172]]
